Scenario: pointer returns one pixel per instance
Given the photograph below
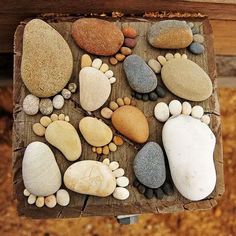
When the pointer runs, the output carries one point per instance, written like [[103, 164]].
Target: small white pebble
[[175, 107], [112, 80], [169, 56], [197, 112], [40, 202], [106, 161], [31, 199], [118, 172], [161, 112], [120, 193], [63, 197], [122, 181], [161, 59], [186, 108], [154, 65], [67, 118], [114, 165], [104, 68], [50, 201], [26, 192], [184, 56], [177, 55], [97, 63], [58, 101], [206, 119], [109, 74], [31, 105], [66, 93]]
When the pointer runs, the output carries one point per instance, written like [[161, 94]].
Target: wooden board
[[82, 205]]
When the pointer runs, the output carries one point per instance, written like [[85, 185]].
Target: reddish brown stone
[[130, 43], [97, 36], [129, 32]]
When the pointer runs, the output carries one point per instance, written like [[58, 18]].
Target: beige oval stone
[[86, 61], [95, 132], [44, 49], [131, 122], [95, 88], [90, 177], [64, 136], [186, 79]]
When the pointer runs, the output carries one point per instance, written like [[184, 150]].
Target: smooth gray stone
[[196, 48], [140, 76], [149, 165]]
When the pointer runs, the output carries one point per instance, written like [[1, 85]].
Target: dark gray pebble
[[145, 97], [167, 189], [133, 93], [159, 193], [138, 96], [136, 183], [195, 30], [141, 189], [148, 193], [153, 96], [160, 92], [196, 48]]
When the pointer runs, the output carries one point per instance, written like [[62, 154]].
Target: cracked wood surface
[[84, 205]]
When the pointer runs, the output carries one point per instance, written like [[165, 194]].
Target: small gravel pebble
[[175, 107], [184, 56], [155, 65], [127, 100], [67, 118], [105, 150], [120, 102], [72, 87], [198, 38], [206, 119], [161, 59], [118, 172], [130, 43], [113, 105], [38, 129], [122, 181], [120, 57], [141, 189], [86, 61], [109, 74], [177, 55], [50, 201], [138, 96], [145, 97], [113, 61], [118, 140], [148, 193], [66, 93], [186, 108], [191, 24], [112, 147], [133, 102], [94, 149], [61, 117], [159, 193], [136, 183], [197, 112], [160, 92], [153, 96], [54, 117], [112, 80], [62, 197], [39, 202], [169, 56], [45, 121], [99, 150], [125, 51], [106, 161], [129, 32], [106, 113], [196, 48], [97, 63], [31, 199], [26, 192], [167, 189], [195, 30], [120, 193], [58, 102], [104, 68], [114, 165], [31, 104], [46, 106], [161, 112]]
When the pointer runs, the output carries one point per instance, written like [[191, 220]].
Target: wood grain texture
[[82, 205]]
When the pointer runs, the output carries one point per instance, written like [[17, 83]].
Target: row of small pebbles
[[149, 193], [162, 111], [129, 43], [86, 61], [111, 147], [120, 193], [196, 47], [62, 198], [32, 104], [153, 96]]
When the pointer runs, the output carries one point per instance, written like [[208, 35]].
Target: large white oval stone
[[95, 88], [90, 177], [41, 174], [189, 145]]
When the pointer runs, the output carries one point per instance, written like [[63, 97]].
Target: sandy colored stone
[[106, 113], [97, 36], [95, 88], [38, 129], [44, 49], [120, 102], [90, 177], [104, 68], [125, 51], [86, 61], [95, 132], [172, 34], [118, 140], [31, 104], [112, 147], [120, 57], [46, 106], [113, 60], [131, 122], [45, 121], [99, 150], [113, 105], [127, 100], [186, 79], [59, 133], [105, 150]]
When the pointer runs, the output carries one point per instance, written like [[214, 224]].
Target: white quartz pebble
[[112, 80], [97, 63], [26, 192], [169, 56], [155, 65], [66, 93], [161, 112], [197, 112], [175, 107], [114, 165], [177, 55], [206, 119], [63, 197], [186, 108], [122, 181], [184, 56], [31, 199], [50, 201], [39, 202], [58, 101], [109, 74], [121, 193], [106, 161], [161, 59], [31, 104], [118, 172]]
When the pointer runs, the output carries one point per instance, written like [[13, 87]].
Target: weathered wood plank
[[82, 205]]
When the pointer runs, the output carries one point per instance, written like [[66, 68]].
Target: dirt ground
[[219, 221]]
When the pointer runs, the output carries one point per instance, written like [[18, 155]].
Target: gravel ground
[[219, 221]]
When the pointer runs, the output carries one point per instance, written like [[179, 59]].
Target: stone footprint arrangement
[[181, 158]]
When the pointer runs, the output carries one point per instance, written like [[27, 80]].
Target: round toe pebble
[[114, 165], [50, 201], [122, 181], [46, 106], [58, 101], [175, 107], [198, 38], [62, 197], [186, 108], [196, 48], [121, 193], [206, 119], [66, 93], [31, 104], [197, 112], [31, 199], [161, 112], [118, 172], [39, 202]]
